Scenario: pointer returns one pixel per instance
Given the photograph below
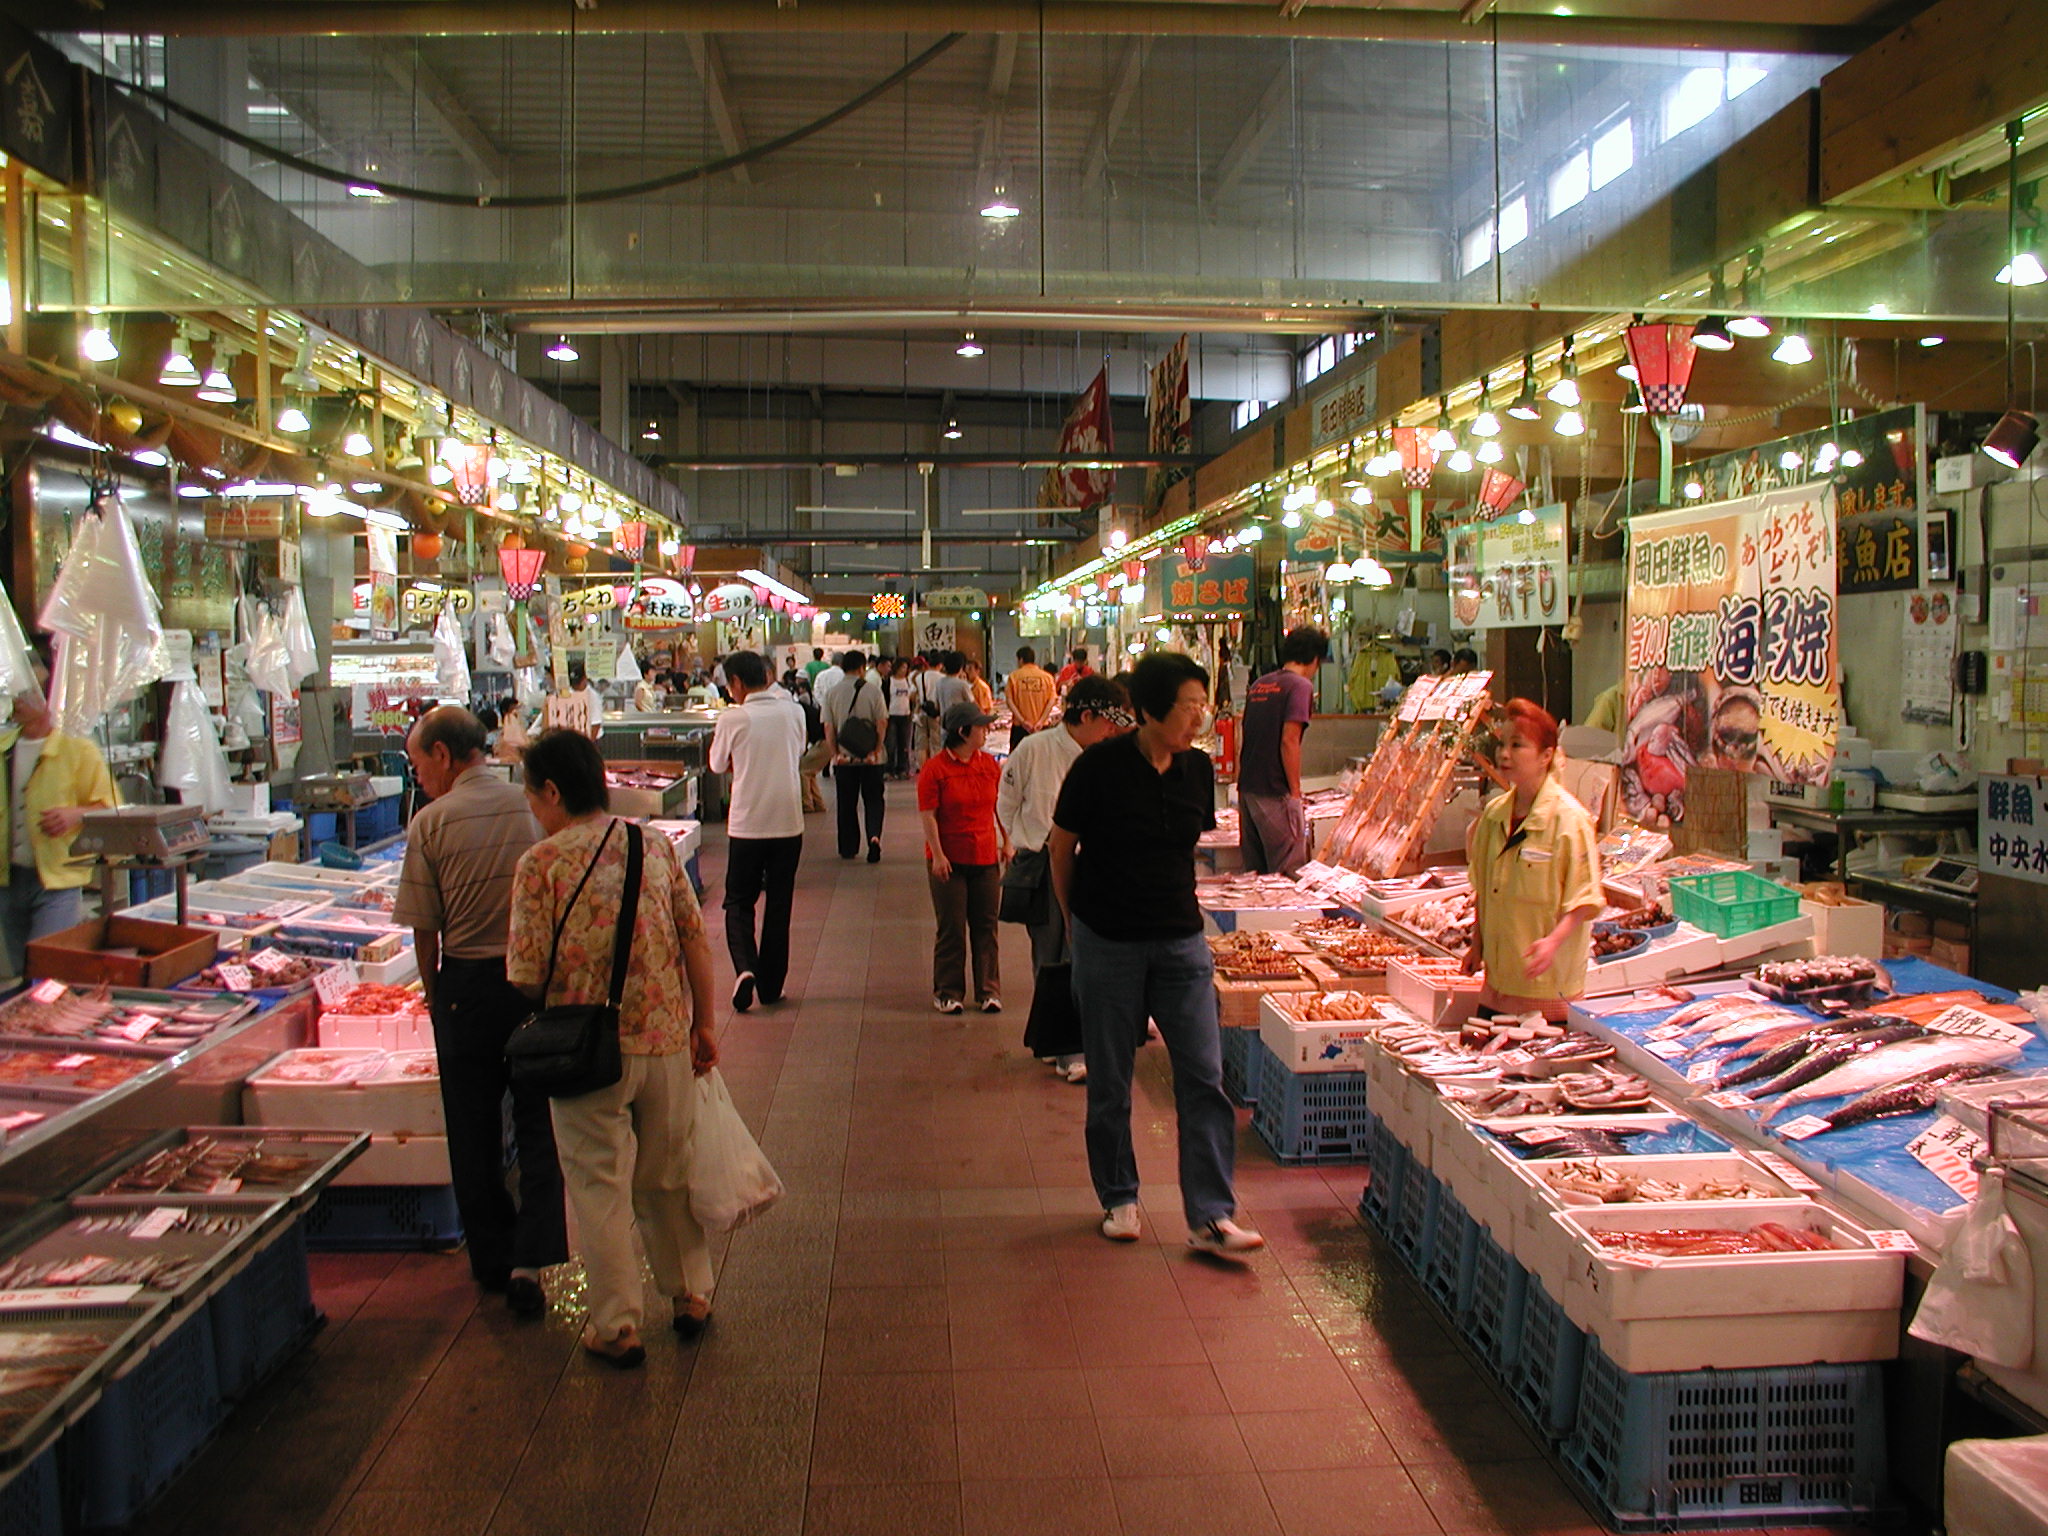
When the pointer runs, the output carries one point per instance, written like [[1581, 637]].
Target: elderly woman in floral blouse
[[625, 1149]]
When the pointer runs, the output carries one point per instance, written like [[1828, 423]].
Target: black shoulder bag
[[574, 1049]]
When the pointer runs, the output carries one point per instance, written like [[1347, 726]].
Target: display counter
[[1848, 827]]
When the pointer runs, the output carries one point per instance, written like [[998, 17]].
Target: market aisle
[[928, 1336]]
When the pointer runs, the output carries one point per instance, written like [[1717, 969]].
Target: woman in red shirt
[[966, 849]]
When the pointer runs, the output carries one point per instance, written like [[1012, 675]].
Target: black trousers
[[899, 744], [858, 785], [474, 1010], [754, 865], [1017, 734]]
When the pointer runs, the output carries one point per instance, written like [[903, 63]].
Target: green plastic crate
[[1732, 902]]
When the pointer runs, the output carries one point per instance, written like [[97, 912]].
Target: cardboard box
[[159, 954], [284, 848], [1851, 928]]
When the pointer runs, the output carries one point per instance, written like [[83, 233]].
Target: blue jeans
[[30, 912], [1117, 984]]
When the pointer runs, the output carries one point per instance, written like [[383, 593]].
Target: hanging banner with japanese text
[[1732, 639], [1087, 431], [1212, 587], [2012, 827], [1510, 571]]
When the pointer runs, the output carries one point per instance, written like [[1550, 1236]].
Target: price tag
[[157, 1223], [72, 1062], [140, 1027], [68, 1296], [1728, 1100], [1963, 1020], [1787, 1172], [1803, 1127], [1948, 1149], [20, 1119], [1701, 1072], [1541, 1135], [335, 983], [1669, 1050], [1901, 1242], [48, 991], [1665, 1032], [237, 978], [270, 961]]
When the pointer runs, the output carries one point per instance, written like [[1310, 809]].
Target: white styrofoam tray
[[1257, 919], [378, 1100], [1316, 1045], [400, 1160]]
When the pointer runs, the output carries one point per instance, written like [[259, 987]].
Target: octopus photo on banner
[[1732, 641]]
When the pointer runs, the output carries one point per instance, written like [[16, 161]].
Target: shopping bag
[[731, 1182], [1981, 1300]]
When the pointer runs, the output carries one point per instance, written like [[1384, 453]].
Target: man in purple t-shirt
[[1272, 830]]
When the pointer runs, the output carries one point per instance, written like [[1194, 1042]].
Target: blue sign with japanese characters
[[2012, 827]]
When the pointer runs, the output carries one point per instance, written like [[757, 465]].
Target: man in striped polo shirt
[[455, 893]]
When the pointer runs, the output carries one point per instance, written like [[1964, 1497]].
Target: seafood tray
[[283, 975], [334, 938], [383, 1093], [238, 1164], [172, 1250], [1822, 982], [47, 1071], [1436, 992], [126, 1020], [1323, 1031], [53, 1358], [1690, 1311]]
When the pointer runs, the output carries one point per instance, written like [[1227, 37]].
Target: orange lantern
[[426, 546], [512, 540]]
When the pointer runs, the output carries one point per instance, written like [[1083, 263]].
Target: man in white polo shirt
[[759, 742]]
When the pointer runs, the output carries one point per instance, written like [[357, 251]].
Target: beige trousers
[[625, 1154]]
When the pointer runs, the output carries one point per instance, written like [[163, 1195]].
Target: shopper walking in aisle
[[760, 742], [855, 721], [965, 849], [815, 665], [1272, 826], [513, 736], [455, 893], [53, 779], [1076, 668], [1025, 798], [949, 687], [1030, 690], [625, 1149], [902, 705], [1123, 868], [816, 753], [924, 677]]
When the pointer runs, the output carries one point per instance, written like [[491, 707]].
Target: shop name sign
[[1347, 409], [2012, 827], [660, 603], [427, 602], [1507, 572], [1211, 587], [1731, 646]]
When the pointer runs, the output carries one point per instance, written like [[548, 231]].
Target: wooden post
[[16, 186], [264, 424]]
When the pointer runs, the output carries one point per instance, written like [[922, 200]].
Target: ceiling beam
[[725, 117], [1095, 164], [1252, 136], [430, 93]]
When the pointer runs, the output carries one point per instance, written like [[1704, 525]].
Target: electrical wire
[[572, 199]]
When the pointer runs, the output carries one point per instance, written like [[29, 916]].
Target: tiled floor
[[927, 1336]]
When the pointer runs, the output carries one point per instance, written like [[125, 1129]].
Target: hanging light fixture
[[1490, 452], [1361, 496], [1338, 572], [299, 376], [96, 344], [1524, 407], [969, 347], [1290, 518], [1461, 462], [952, 433], [217, 387], [651, 433], [1753, 327], [1565, 391], [999, 209], [1485, 424], [2012, 440], [357, 444], [1663, 356], [1712, 334], [1792, 348], [562, 352], [293, 419], [1569, 423], [179, 371], [1443, 440]]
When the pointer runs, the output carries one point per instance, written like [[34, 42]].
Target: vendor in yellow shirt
[[1535, 864], [52, 781]]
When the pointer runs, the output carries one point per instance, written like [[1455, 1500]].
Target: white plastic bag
[[298, 637], [731, 1181], [193, 763], [627, 668], [17, 671], [451, 657], [269, 663], [103, 611], [500, 644], [1981, 1300]]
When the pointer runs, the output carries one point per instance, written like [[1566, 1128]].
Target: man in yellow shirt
[[1030, 689], [52, 781]]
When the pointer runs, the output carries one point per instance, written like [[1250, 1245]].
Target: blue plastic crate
[[32, 1500], [1241, 1053], [148, 1425], [1411, 1229], [149, 884], [1310, 1117], [1446, 1262], [1389, 1161], [1492, 1315], [1700, 1449], [263, 1314], [375, 1217], [1549, 1357]]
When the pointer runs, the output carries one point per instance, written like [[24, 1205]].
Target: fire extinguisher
[[1226, 746]]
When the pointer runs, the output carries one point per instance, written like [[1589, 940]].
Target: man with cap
[[965, 851]]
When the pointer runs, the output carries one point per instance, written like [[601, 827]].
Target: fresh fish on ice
[[1891, 1064], [1746, 1026], [1910, 1097], [1833, 1053], [1708, 1007], [1779, 1048]]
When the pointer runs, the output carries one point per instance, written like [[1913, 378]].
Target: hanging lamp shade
[[1663, 357], [1418, 459], [1134, 570], [1194, 549], [521, 568], [1498, 490], [630, 539]]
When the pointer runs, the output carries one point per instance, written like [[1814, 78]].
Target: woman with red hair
[[1535, 863]]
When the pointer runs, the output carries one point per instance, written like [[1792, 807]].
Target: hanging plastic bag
[[193, 763], [499, 645], [298, 637], [103, 612], [269, 663], [731, 1182], [451, 659], [17, 669], [627, 668], [1981, 1300]]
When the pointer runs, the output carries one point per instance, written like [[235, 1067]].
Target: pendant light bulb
[[1461, 462], [1712, 334], [97, 345], [1524, 407], [2023, 271], [1491, 452], [1569, 423], [357, 444], [1792, 349], [292, 419], [1751, 327], [562, 352]]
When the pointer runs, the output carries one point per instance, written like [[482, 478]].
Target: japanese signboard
[[2012, 827], [1317, 541], [1213, 587], [1509, 571], [934, 634], [660, 602], [1880, 480], [1731, 646], [1345, 410]]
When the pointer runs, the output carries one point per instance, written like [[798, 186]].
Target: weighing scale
[[1956, 876], [342, 793], [148, 837]]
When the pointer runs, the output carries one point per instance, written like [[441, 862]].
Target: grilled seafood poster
[[1732, 646], [1510, 571]]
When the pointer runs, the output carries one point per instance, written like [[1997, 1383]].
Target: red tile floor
[[927, 1336]]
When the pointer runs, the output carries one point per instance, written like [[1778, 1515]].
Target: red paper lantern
[[630, 539], [1498, 489], [1418, 459], [1663, 357], [521, 568]]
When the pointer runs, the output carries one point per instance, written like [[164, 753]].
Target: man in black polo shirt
[[1123, 868]]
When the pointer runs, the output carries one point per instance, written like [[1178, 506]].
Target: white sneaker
[[1077, 1073], [947, 1004], [991, 1005], [1120, 1223], [1225, 1238]]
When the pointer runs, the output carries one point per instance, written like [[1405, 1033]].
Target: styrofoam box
[[1742, 1312], [1317, 1046], [401, 1160], [331, 1105], [319, 874], [376, 1101], [1762, 941], [1996, 1487], [1401, 1100], [385, 785], [1420, 994], [407, 1101], [1683, 952], [1856, 928], [1256, 919], [382, 1032]]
